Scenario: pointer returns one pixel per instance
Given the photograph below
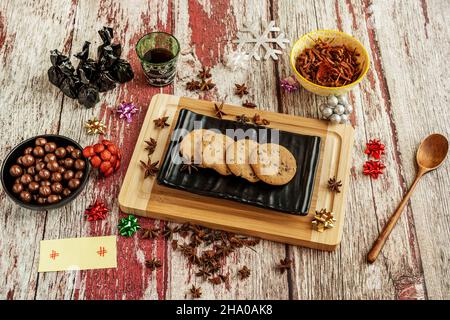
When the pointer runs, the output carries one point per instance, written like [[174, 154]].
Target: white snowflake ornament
[[264, 41], [237, 60]]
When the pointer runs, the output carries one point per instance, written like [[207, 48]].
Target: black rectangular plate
[[294, 197]]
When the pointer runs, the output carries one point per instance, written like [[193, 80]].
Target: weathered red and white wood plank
[[345, 273], [131, 280], [29, 107], [413, 45]]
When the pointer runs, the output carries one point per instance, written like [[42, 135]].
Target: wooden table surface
[[404, 98]]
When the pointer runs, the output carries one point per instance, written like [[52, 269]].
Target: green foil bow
[[128, 226]]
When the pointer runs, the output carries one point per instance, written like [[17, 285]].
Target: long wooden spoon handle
[[379, 243]]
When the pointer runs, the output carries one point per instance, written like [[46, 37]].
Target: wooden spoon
[[430, 155]]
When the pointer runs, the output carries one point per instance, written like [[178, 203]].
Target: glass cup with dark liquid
[[158, 52]]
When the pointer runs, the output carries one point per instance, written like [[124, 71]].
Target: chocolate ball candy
[[38, 151], [79, 174], [68, 163], [27, 160], [73, 184], [53, 198], [76, 154], [49, 157], [46, 183], [50, 147], [38, 160], [57, 188], [33, 186], [53, 166], [45, 191], [69, 149], [28, 150], [31, 170], [17, 188], [56, 177], [37, 178], [40, 166], [68, 175], [60, 152], [44, 174], [15, 170], [19, 160], [40, 141], [61, 169], [26, 179], [41, 200], [66, 192], [79, 164], [25, 196]]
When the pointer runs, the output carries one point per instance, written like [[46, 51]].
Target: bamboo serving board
[[144, 197]]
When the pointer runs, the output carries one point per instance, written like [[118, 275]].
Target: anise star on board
[[242, 118], [151, 233], [151, 145], [244, 272], [150, 168], [196, 292], [153, 264], [161, 122], [334, 185], [193, 85], [207, 85], [285, 264], [240, 90], [168, 232], [249, 104], [260, 121], [205, 73], [219, 110]]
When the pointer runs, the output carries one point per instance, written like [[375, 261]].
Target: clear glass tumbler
[[158, 52]]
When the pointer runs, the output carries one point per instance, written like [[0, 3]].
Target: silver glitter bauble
[[348, 109], [332, 101], [344, 119], [326, 112], [335, 118], [342, 100], [339, 109]]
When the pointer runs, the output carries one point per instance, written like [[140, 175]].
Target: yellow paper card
[[78, 254]]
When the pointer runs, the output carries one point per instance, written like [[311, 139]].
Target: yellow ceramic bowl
[[340, 38]]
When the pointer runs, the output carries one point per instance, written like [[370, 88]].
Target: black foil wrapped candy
[[91, 76]]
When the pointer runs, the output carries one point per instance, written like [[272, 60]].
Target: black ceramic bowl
[[8, 180]]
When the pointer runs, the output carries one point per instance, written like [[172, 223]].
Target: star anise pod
[[174, 245], [207, 85], [219, 110], [188, 167], [249, 104], [193, 85], [240, 90], [244, 272], [285, 264], [260, 121], [151, 145], [161, 122], [168, 232], [153, 264], [205, 73], [196, 292], [150, 233], [150, 168], [203, 272], [242, 118], [215, 280], [334, 185]]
